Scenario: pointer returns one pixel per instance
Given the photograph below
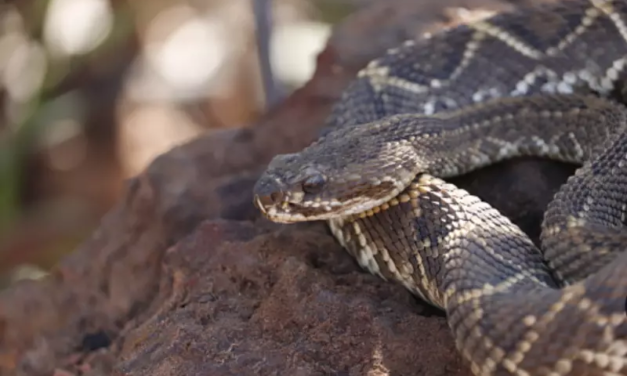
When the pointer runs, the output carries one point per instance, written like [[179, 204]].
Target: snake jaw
[[282, 203]]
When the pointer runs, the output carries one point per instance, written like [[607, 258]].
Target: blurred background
[[91, 91]]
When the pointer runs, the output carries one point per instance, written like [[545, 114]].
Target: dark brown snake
[[544, 81]]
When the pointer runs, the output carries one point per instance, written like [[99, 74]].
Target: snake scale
[[542, 81]]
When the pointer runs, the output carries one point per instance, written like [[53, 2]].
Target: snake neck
[[430, 239]]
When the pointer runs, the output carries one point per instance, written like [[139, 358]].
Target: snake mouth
[[288, 203], [290, 212]]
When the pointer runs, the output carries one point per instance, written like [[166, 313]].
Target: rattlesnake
[[540, 81]]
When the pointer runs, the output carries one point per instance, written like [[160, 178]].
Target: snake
[[542, 81]]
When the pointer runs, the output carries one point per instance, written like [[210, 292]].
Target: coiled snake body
[[538, 81]]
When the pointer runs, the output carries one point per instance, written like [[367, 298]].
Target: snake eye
[[313, 184]]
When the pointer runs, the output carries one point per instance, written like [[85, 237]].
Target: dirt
[[183, 277]]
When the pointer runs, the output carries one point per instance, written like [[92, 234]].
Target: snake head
[[346, 172]]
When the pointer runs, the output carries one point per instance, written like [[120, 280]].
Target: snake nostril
[[268, 192], [270, 199], [277, 197]]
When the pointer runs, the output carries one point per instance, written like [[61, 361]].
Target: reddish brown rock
[[289, 308], [184, 278]]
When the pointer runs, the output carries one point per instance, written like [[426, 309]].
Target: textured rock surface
[[184, 278]]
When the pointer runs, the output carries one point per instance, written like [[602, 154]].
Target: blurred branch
[[9, 177], [262, 10]]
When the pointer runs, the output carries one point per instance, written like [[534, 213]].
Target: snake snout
[[268, 193], [272, 199]]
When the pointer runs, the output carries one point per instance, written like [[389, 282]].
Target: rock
[[279, 301], [184, 277]]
